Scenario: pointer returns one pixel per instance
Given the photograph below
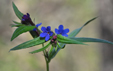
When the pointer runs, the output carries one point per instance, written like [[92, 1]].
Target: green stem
[[47, 63]]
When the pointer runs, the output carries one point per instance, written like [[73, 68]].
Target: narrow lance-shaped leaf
[[66, 40], [18, 23], [76, 31], [30, 43], [84, 39], [21, 30], [17, 12], [12, 25], [41, 49]]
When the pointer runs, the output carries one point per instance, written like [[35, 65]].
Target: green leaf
[[76, 31], [83, 39], [21, 30], [66, 40], [17, 12], [41, 49], [18, 23], [30, 43]]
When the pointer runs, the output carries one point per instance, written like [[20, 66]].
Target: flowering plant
[[57, 40]]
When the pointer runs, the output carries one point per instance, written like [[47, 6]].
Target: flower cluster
[[46, 31]]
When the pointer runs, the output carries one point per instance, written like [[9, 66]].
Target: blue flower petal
[[56, 31], [65, 31], [61, 27], [47, 37], [60, 31], [43, 29], [50, 33], [38, 24], [48, 28], [65, 35], [43, 34]]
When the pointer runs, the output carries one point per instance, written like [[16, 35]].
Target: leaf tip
[[11, 39], [30, 52], [13, 3], [9, 50]]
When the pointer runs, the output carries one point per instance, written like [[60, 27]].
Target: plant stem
[[47, 63]]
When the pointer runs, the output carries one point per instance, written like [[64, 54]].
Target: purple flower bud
[[27, 20], [53, 40]]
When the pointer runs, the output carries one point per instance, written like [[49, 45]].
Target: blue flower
[[37, 26], [46, 33], [62, 31]]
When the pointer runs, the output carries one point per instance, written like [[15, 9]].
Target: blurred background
[[70, 13]]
